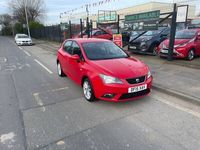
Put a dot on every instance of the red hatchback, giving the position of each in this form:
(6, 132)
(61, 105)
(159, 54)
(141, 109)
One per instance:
(103, 69)
(186, 45)
(101, 34)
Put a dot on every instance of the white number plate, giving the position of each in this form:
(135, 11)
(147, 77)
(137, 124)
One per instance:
(133, 47)
(137, 88)
(164, 51)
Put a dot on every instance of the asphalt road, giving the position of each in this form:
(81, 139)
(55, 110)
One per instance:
(39, 110)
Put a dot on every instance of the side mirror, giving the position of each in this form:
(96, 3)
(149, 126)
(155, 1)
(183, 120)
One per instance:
(75, 57)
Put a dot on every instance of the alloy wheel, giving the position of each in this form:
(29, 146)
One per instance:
(87, 90)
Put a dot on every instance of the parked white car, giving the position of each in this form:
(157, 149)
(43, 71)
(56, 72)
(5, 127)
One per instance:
(23, 39)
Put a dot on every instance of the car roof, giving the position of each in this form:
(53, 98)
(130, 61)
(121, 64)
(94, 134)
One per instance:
(87, 40)
(193, 29)
(20, 34)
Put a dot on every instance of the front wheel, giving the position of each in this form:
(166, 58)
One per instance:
(154, 50)
(88, 90)
(191, 55)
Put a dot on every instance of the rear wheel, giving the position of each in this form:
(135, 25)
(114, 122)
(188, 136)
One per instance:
(88, 90)
(59, 70)
(191, 55)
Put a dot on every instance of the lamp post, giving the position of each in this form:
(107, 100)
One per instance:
(25, 2)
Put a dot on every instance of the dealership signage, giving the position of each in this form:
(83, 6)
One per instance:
(117, 39)
(107, 16)
(143, 21)
(182, 12)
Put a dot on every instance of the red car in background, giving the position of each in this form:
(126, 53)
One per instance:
(101, 34)
(103, 70)
(186, 45)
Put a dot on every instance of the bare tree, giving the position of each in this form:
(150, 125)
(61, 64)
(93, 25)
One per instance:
(35, 9)
(5, 19)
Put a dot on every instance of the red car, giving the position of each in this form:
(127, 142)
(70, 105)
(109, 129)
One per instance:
(103, 70)
(186, 45)
(101, 34)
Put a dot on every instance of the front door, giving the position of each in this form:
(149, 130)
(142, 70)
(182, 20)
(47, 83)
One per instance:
(76, 65)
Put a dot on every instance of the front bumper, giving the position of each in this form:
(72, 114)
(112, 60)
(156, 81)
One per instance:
(138, 48)
(177, 53)
(120, 91)
(24, 43)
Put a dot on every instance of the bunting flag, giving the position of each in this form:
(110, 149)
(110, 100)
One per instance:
(86, 6)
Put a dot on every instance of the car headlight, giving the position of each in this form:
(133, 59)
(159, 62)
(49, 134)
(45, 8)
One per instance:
(164, 46)
(149, 74)
(108, 79)
(180, 45)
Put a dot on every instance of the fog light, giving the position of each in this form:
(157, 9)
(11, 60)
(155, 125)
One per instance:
(108, 95)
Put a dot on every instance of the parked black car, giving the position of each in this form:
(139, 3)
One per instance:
(135, 34)
(149, 41)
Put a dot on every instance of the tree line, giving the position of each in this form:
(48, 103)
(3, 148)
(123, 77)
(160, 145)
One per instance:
(16, 21)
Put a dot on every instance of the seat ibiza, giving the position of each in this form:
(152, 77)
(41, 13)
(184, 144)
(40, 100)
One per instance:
(103, 70)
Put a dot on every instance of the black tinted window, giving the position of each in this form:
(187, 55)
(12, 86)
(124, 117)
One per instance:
(67, 47)
(185, 34)
(103, 50)
(97, 33)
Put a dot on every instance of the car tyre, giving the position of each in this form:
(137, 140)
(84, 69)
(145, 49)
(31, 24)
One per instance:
(88, 90)
(59, 70)
(154, 49)
(191, 55)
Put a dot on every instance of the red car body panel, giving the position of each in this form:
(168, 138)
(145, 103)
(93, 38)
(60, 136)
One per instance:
(182, 51)
(123, 68)
(106, 35)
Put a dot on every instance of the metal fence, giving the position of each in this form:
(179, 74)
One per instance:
(52, 33)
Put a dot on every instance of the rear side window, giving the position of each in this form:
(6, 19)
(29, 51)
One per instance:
(67, 47)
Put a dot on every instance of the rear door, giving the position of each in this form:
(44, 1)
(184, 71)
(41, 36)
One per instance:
(65, 54)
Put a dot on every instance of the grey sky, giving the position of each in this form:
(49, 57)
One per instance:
(55, 7)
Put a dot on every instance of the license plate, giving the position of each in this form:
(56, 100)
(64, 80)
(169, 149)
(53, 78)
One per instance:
(164, 51)
(137, 88)
(132, 47)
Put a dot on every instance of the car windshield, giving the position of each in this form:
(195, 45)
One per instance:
(185, 34)
(196, 21)
(103, 50)
(134, 33)
(151, 33)
(23, 36)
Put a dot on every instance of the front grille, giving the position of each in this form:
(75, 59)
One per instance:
(135, 43)
(136, 94)
(136, 80)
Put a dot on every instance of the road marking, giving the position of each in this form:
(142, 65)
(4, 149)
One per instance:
(39, 101)
(49, 71)
(6, 138)
(187, 110)
(20, 47)
(60, 142)
(59, 89)
(27, 53)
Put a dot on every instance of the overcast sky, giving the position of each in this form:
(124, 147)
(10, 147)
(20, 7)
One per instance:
(55, 7)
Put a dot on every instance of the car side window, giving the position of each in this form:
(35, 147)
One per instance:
(98, 33)
(67, 47)
(103, 32)
(76, 50)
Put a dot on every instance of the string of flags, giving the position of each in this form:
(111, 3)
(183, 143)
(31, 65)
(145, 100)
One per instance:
(86, 6)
